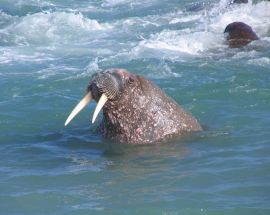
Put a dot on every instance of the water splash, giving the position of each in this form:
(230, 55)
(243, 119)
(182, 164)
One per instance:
(177, 42)
(205, 37)
(53, 27)
(174, 35)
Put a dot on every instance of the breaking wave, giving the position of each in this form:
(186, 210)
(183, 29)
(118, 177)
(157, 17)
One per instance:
(206, 35)
(52, 27)
(178, 34)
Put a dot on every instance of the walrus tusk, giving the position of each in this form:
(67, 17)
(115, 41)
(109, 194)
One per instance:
(86, 99)
(103, 99)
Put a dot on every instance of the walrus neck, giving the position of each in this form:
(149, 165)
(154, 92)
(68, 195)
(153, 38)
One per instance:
(120, 123)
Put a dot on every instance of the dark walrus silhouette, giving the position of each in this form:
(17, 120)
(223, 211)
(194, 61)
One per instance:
(134, 109)
(239, 34)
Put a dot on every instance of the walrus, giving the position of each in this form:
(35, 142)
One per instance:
(135, 110)
(239, 34)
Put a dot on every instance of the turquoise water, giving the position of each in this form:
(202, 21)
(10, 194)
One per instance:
(49, 49)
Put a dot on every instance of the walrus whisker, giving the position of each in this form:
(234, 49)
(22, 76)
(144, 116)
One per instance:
(86, 99)
(103, 99)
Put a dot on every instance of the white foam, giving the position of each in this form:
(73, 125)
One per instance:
(263, 61)
(205, 33)
(60, 27)
(255, 15)
(198, 34)
(39, 3)
(185, 42)
(4, 18)
(112, 3)
(186, 18)
(132, 3)
(154, 20)
(17, 55)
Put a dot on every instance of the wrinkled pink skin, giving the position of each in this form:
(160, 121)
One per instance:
(144, 113)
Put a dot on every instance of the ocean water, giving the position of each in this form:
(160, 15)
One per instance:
(48, 51)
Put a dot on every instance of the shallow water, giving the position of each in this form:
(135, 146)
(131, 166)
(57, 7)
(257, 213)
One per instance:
(49, 50)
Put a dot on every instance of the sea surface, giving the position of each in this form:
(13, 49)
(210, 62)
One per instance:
(48, 51)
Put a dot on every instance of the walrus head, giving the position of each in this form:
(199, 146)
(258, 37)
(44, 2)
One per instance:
(134, 109)
(104, 87)
(239, 34)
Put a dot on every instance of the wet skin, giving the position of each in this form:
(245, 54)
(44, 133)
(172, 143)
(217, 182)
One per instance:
(239, 34)
(136, 110)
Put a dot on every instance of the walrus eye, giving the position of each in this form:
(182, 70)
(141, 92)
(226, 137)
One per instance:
(131, 80)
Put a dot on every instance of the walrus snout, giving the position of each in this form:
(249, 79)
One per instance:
(103, 86)
(105, 83)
